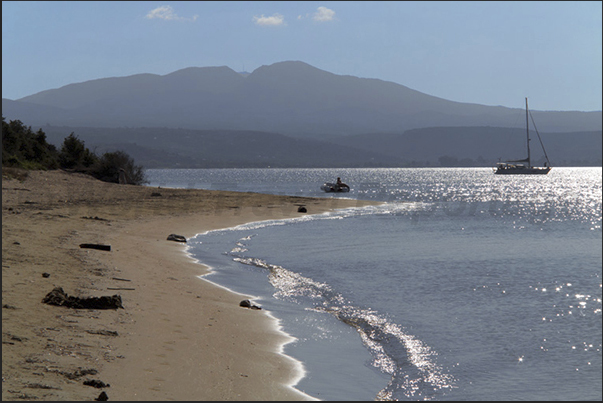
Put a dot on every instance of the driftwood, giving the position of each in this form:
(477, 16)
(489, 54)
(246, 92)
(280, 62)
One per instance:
(60, 298)
(122, 177)
(95, 246)
(95, 383)
(94, 218)
(103, 332)
(78, 373)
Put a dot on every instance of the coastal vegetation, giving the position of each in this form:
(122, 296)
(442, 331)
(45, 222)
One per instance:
(23, 148)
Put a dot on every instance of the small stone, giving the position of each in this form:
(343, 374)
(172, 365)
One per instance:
(102, 397)
(247, 304)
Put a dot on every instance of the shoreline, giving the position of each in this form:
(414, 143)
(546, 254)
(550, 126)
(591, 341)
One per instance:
(176, 339)
(298, 369)
(274, 325)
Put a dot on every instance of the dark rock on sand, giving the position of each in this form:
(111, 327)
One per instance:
(302, 209)
(247, 304)
(176, 238)
(60, 298)
(102, 397)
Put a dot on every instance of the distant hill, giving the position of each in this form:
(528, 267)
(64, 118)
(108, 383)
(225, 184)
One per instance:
(291, 114)
(475, 146)
(481, 146)
(183, 148)
(290, 98)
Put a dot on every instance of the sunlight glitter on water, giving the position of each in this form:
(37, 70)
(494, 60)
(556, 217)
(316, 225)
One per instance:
(518, 251)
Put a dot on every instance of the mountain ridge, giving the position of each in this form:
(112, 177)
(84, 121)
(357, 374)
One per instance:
(290, 97)
(291, 114)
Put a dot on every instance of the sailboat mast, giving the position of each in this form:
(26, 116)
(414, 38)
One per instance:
(528, 134)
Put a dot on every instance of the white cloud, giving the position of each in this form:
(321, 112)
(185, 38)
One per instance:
(167, 13)
(323, 14)
(275, 20)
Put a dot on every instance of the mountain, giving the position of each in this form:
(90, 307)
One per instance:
(291, 98)
(291, 114)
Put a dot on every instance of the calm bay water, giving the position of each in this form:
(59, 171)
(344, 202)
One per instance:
(464, 285)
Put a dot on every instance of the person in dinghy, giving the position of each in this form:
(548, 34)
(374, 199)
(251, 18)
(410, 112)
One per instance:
(341, 185)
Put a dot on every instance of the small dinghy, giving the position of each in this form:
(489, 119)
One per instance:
(334, 187)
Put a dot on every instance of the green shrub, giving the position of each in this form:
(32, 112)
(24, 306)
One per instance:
(110, 164)
(22, 148)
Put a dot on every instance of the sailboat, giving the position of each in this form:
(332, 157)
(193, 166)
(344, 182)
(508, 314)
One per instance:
(524, 167)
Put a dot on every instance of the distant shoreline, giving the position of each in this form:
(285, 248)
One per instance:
(165, 148)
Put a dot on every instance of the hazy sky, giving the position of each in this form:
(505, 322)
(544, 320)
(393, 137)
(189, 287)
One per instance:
(491, 53)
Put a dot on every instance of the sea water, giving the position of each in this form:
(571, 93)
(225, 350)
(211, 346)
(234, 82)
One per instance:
(463, 285)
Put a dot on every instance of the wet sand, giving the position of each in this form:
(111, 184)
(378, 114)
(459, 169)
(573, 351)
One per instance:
(177, 338)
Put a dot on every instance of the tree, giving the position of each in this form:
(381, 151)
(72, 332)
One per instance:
(110, 164)
(23, 148)
(74, 154)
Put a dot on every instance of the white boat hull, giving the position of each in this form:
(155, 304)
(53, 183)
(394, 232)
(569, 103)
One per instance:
(506, 169)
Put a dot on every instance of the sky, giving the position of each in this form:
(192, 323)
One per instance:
(482, 52)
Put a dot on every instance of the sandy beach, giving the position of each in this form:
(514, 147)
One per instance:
(177, 337)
